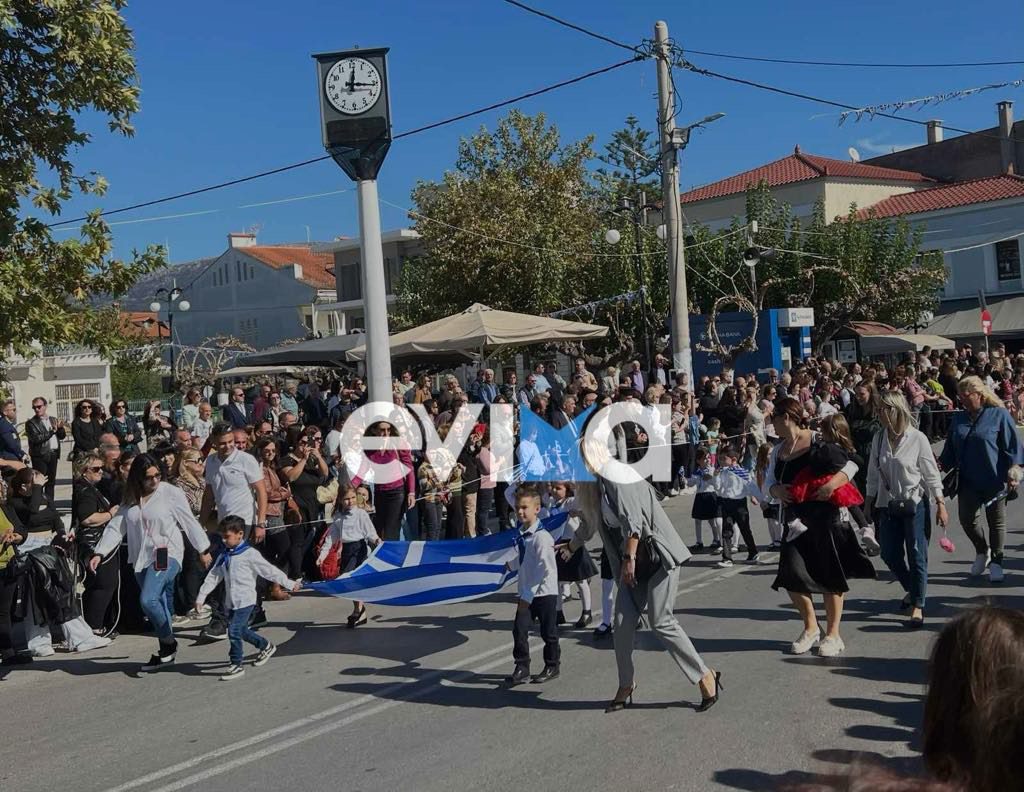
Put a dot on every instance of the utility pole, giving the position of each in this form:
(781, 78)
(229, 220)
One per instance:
(640, 220)
(682, 359)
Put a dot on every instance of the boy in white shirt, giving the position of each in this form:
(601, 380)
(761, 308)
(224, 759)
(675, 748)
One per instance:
(733, 485)
(240, 567)
(538, 590)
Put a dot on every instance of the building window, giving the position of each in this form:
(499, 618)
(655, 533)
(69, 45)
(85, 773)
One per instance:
(67, 396)
(348, 282)
(248, 331)
(1008, 260)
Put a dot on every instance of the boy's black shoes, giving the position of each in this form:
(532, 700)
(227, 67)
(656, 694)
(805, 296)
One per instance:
(520, 676)
(549, 672)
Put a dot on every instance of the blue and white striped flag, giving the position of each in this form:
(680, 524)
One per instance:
(433, 573)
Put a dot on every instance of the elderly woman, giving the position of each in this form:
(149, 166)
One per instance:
(983, 444)
(91, 512)
(902, 480)
(819, 553)
(626, 515)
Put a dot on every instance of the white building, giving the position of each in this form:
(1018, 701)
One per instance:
(61, 375)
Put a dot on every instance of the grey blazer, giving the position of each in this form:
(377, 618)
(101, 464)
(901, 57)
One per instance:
(637, 508)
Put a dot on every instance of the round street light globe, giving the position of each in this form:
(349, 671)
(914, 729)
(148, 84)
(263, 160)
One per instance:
(612, 236)
(154, 307)
(184, 305)
(662, 231)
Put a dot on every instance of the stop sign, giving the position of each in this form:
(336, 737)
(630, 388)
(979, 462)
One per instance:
(986, 321)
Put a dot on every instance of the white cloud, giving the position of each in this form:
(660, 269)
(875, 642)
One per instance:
(880, 146)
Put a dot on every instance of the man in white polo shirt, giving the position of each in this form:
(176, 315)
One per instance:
(235, 487)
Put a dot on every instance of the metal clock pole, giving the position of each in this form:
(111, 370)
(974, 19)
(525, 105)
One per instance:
(355, 116)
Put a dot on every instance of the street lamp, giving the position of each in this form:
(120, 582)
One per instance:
(170, 296)
(681, 135)
(638, 214)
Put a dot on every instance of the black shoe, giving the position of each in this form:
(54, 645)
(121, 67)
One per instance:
(585, 620)
(168, 650)
(17, 659)
(697, 548)
(916, 622)
(356, 619)
(549, 672)
(905, 603)
(753, 558)
(708, 703)
(561, 618)
(603, 631)
(520, 676)
(715, 547)
(258, 619)
(214, 631)
(160, 660)
(620, 704)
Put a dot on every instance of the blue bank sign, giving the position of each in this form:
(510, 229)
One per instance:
(783, 337)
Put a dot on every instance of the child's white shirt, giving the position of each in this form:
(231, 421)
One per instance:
(351, 526)
(704, 481)
(538, 572)
(731, 485)
(240, 574)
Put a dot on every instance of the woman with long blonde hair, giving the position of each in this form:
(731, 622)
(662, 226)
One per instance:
(984, 446)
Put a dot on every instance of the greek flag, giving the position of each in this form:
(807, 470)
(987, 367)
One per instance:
(434, 573)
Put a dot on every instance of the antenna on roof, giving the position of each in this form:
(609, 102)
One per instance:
(254, 229)
(854, 154)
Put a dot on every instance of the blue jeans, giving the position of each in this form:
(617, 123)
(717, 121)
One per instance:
(157, 597)
(238, 631)
(904, 544)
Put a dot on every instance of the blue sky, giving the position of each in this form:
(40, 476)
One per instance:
(228, 89)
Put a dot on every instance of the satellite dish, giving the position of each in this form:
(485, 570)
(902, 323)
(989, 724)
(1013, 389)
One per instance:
(854, 154)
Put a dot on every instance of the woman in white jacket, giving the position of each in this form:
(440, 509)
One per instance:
(154, 516)
(903, 478)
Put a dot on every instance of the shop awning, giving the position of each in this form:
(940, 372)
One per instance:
(895, 343)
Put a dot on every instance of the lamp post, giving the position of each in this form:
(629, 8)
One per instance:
(637, 212)
(169, 296)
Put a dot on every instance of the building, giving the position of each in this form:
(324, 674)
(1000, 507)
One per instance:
(61, 375)
(261, 294)
(399, 244)
(800, 180)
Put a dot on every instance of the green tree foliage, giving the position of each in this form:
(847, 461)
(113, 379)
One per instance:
(519, 224)
(61, 61)
(135, 373)
(853, 268)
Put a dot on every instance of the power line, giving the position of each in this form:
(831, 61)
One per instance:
(571, 26)
(684, 64)
(851, 64)
(293, 166)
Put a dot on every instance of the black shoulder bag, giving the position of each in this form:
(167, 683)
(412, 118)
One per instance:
(648, 556)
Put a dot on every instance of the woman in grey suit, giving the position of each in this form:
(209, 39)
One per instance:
(625, 514)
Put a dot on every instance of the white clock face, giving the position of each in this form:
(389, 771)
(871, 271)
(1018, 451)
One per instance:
(353, 86)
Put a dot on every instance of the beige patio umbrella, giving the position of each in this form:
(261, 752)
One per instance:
(480, 330)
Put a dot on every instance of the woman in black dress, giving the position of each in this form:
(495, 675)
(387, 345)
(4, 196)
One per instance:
(819, 554)
(85, 429)
(91, 512)
(304, 469)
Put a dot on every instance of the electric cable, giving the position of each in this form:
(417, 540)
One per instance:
(572, 26)
(304, 163)
(853, 64)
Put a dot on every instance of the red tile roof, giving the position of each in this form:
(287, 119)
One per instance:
(317, 268)
(990, 188)
(144, 324)
(798, 167)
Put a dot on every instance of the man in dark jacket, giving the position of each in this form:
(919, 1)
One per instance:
(10, 443)
(236, 412)
(44, 436)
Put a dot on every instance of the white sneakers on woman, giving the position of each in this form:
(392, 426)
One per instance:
(807, 639)
(831, 647)
(980, 563)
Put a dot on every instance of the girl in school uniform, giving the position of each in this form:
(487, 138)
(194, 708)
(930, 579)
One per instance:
(353, 529)
(580, 567)
(769, 506)
(705, 505)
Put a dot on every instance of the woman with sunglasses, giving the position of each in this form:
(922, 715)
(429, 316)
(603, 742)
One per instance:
(156, 520)
(123, 424)
(85, 429)
(278, 547)
(391, 499)
(90, 513)
(303, 469)
(158, 427)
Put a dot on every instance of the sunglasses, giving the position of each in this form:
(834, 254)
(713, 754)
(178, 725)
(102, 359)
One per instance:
(86, 407)
(95, 469)
(38, 406)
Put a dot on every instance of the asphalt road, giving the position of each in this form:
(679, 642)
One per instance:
(414, 700)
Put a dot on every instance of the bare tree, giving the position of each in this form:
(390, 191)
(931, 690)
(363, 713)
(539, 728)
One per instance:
(199, 366)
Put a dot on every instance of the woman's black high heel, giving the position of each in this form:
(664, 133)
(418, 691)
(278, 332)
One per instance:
(355, 619)
(708, 703)
(620, 704)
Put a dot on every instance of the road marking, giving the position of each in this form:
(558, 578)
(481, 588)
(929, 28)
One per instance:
(435, 678)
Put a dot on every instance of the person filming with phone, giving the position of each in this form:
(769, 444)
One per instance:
(156, 518)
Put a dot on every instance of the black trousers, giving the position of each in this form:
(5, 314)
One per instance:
(484, 502)
(545, 610)
(189, 580)
(734, 513)
(48, 467)
(100, 588)
(502, 506)
(388, 508)
(455, 520)
(7, 591)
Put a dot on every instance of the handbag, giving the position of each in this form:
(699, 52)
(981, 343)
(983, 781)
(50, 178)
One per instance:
(648, 559)
(896, 507)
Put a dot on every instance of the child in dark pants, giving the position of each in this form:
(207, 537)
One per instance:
(734, 484)
(538, 591)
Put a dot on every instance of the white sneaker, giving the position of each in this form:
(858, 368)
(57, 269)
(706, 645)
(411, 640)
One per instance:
(673, 492)
(177, 621)
(831, 647)
(869, 540)
(265, 654)
(995, 573)
(93, 642)
(796, 528)
(980, 563)
(806, 641)
(233, 672)
(725, 563)
(44, 651)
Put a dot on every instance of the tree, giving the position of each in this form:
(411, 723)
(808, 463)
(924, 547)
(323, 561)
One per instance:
(197, 367)
(61, 61)
(857, 267)
(135, 372)
(518, 224)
